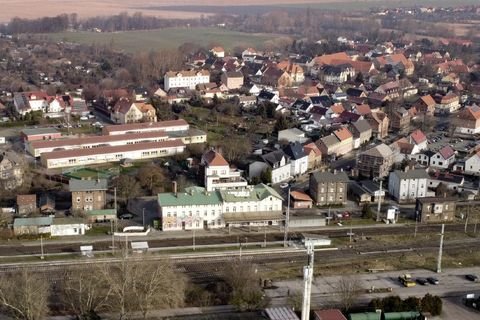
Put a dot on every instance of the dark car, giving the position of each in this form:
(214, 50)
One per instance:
(472, 277)
(126, 216)
(432, 280)
(422, 281)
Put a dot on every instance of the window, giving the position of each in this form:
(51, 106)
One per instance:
(78, 199)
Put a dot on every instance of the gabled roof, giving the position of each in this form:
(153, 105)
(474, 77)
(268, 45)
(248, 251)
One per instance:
(418, 136)
(37, 221)
(274, 157)
(300, 196)
(381, 151)
(213, 158)
(330, 314)
(446, 152)
(343, 134)
(362, 125)
(87, 185)
(329, 140)
(265, 94)
(363, 109)
(191, 196)
(411, 174)
(312, 147)
(337, 108)
(294, 151)
(328, 58)
(326, 176)
(428, 100)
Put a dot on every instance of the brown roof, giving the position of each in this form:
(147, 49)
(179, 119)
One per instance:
(218, 49)
(337, 108)
(140, 126)
(125, 148)
(447, 152)
(363, 109)
(123, 105)
(428, 100)
(144, 107)
(95, 139)
(343, 134)
(300, 196)
(289, 67)
(418, 136)
(312, 147)
(214, 158)
(330, 314)
(328, 58)
(26, 199)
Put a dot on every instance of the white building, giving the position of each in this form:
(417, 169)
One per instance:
(472, 164)
(185, 79)
(68, 227)
(85, 157)
(443, 158)
(407, 186)
(298, 159)
(279, 163)
(218, 174)
(196, 208)
(166, 126)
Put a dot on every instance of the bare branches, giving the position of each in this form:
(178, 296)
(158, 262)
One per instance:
(25, 295)
(348, 290)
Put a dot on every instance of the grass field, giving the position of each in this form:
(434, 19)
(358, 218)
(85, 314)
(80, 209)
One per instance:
(133, 41)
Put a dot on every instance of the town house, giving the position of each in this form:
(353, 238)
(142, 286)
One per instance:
(88, 195)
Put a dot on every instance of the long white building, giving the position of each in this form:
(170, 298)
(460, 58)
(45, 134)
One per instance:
(197, 208)
(166, 126)
(91, 156)
(185, 79)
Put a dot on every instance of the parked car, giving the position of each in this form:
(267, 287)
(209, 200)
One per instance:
(422, 281)
(126, 216)
(472, 277)
(433, 280)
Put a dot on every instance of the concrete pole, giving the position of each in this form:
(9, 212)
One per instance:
(41, 248)
(379, 201)
(307, 282)
(193, 240)
(287, 218)
(439, 261)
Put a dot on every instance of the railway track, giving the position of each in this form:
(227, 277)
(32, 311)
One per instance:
(13, 249)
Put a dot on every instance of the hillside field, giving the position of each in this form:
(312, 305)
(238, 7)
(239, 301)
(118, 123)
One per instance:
(169, 38)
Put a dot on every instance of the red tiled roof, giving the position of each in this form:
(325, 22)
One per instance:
(363, 109)
(125, 148)
(337, 108)
(418, 136)
(312, 147)
(26, 199)
(297, 195)
(328, 58)
(446, 152)
(214, 158)
(428, 100)
(139, 126)
(330, 314)
(95, 139)
(343, 134)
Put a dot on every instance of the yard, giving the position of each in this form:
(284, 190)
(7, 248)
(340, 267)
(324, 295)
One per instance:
(169, 38)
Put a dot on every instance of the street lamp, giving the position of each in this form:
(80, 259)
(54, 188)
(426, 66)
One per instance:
(287, 218)
(379, 206)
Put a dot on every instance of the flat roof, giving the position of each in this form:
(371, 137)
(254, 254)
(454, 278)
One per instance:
(253, 216)
(112, 149)
(95, 139)
(39, 131)
(143, 126)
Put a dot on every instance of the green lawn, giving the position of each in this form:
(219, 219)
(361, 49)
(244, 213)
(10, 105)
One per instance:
(134, 41)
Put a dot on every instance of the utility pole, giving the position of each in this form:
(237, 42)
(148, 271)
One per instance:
(265, 234)
(113, 237)
(193, 240)
(143, 217)
(379, 201)
(307, 281)
(416, 225)
(439, 262)
(287, 218)
(41, 248)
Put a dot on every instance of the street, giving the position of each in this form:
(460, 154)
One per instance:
(452, 287)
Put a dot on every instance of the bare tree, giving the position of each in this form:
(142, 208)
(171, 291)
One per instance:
(142, 286)
(25, 295)
(150, 177)
(244, 283)
(348, 291)
(84, 292)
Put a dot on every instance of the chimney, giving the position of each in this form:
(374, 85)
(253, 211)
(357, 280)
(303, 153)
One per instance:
(174, 187)
(334, 171)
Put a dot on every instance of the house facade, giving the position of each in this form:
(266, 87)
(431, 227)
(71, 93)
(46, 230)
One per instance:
(198, 209)
(26, 204)
(407, 186)
(472, 164)
(232, 79)
(218, 174)
(279, 163)
(88, 195)
(443, 158)
(185, 79)
(434, 209)
(376, 162)
(11, 171)
(467, 121)
(327, 188)
(314, 155)
(447, 104)
(379, 122)
(298, 158)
